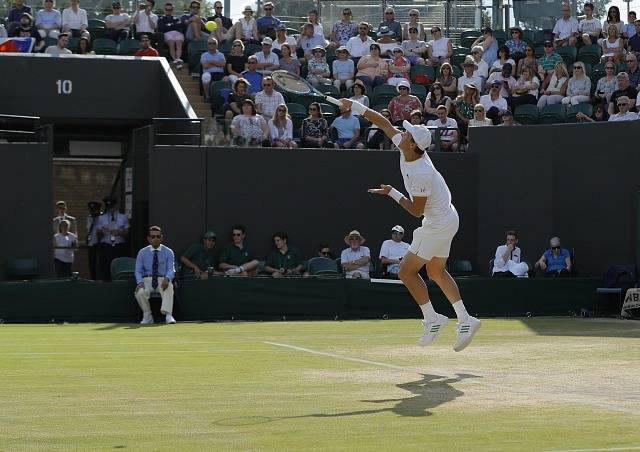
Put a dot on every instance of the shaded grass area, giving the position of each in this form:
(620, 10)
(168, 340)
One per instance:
(534, 384)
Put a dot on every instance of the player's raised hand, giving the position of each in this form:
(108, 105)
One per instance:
(383, 190)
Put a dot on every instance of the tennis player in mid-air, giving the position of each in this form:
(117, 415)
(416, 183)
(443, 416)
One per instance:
(430, 198)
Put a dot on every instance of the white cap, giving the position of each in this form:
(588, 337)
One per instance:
(267, 40)
(398, 228)
(420, 134)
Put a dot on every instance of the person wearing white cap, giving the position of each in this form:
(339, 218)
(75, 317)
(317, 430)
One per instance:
(393, 250)
(404, 103)
(428, 198)
(267, 60)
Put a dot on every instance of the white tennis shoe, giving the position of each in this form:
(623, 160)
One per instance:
(465, 332)
(432, 330)
(169, 319)
(147, 319)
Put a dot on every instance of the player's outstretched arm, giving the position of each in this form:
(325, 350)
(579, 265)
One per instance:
(415, 207)
(373, 116)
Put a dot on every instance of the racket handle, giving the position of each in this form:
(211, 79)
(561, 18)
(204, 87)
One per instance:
(334, 101)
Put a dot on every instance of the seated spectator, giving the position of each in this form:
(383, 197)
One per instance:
(399, 67)
(508, 259)
(360, 45)
(448, 129)
(387, 42)
(629, 28)
(526, 89)
(392, 24)
(359, 95)
(565, 32)
(348, 128)
(267, 60)
(146, 49)
(505, 78)
(252, 76)
(554, 88)
(556, 261)
(376, 138)
(447, 80)
(468, 77)
(236, 258)
(479, 119)
(435, 98)
(61, 46)
(578, 87)
(504, 56)
(26, 29)
(193, 23)
(516, 45)
(282, 39)
(494, 104)
(268, 99)
(355, 259)
(146, 22)
(623, 114)
(589, 28)
(236, 61)
(624, 89)
(249, 128)
(15, 13)
(74, 21)
(548, 61)
(246, 28)
(372, 68)
(606, 85)
(199, 259)
(64, 243)
(343, 69)
(117, 23)
(238, 95)
(599, 115)
(489, 46)
(414, 23)
(403, 104)
(315, 130)
(48, 20)
(613, 18)
(312, 18)
(284, 260)
(268, 23)
(415, 49)
(613, 46)
(171, 29)
(507, 120)
(529, 60)
(633, 70)
(393, 250)
(224, 21)
(343, 30)
(308, 42)
(213, 63)
(318, 68)
(482, 68)
(440, 48)
(464, 105)
(633, 44)
(287, 61)
(84, 47)
(155, 272)
(281, 129)
(416, 118)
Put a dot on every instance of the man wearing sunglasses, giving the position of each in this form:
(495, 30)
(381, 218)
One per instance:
(556, 261)
(359, 45)
(155, 271)
(623, 114)
(236, 258)
(392, 24)
(227, 23)
(171, 29)
(193, 23)
(268, 23)
(117, 23)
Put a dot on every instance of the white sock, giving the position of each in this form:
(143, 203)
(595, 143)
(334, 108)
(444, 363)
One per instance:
(461, 312)
(428, 312)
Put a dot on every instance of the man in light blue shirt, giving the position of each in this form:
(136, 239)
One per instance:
(155, 270)
(348, 128)
(48, 20)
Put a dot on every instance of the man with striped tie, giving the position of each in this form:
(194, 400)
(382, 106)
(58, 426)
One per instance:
(155, 271)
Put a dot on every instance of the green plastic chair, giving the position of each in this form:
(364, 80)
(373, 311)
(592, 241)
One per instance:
(322, 266)
(22, 268)
(460, 267)
(467, 37)
(584, 107)
(103, 46)
(590, 54)
(420, 91)
(128, 47)
(553, 114)
(526, 114)
(123, 268)
(568, 54)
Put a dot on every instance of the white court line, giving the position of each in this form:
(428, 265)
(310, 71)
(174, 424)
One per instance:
(606, 449)
(145, 353)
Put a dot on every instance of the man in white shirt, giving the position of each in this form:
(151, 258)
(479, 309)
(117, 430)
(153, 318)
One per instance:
(494, 104)
(117, 23)
(74, 20)
(482, 68)
(358, 46)
(393, 250)
(589, 28)
(449, 134)
(355, 259)
(469, 77)
(146, 22)
(61, 47)
(267, 60)
(624, 114)
(565, 31)
(507, 261)
(268, 99)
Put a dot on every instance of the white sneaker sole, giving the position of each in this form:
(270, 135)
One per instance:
(435, 328)
(473, 329)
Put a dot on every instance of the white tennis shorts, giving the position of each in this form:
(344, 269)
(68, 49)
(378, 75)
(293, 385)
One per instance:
(429, 242)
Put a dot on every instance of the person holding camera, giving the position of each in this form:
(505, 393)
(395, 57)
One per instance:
(146, 22)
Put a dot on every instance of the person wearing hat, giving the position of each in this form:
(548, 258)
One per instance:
(404, 103)
(199, 259)
(113, 229)
(556, 261)
(469, 77)
(516, 45)
(61, 214)
(428, 198)
(117, 24)
(26, 29)
(267, 60)
(392, 24)
(281, 39)
(155, 272)
(355, 259)
(247, 27)
(343, 30)
(95, 210)
(489, 45)
(318, 68)
(283, 260)
(414, 48)
(268, 23)
(448, 129)
(623, 103)
(482, 69)
(343, 69)
(494, 104)
(547, 62)
(307, 42)
(392, 251)
(399, 67)
(387, 41)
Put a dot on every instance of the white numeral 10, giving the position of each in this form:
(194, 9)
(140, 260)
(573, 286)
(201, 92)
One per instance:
(64, 86)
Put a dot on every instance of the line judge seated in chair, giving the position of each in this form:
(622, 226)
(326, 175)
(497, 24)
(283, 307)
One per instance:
(155, 271)
(508, 260)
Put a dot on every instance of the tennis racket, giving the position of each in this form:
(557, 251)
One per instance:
(294, 84)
